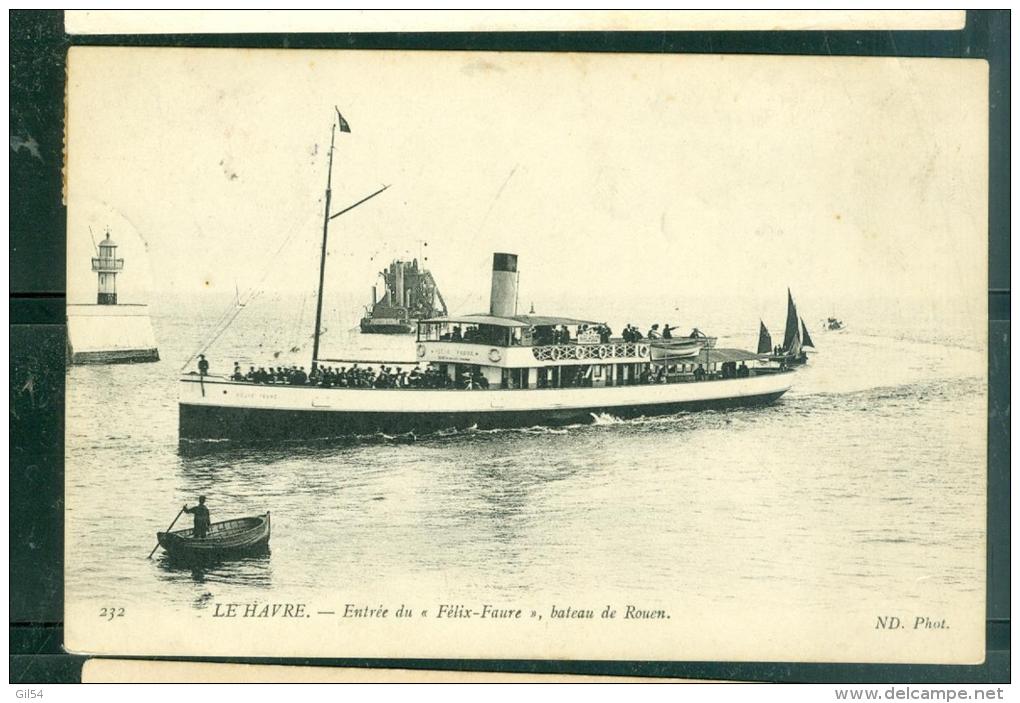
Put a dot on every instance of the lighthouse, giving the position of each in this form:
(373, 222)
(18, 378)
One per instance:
(107, 266)
(109, 332)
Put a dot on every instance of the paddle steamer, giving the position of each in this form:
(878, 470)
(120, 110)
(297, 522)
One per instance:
(499, 369)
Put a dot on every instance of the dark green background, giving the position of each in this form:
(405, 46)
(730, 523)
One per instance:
(38, 51)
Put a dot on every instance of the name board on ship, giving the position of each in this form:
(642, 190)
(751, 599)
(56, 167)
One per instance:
(457, 353)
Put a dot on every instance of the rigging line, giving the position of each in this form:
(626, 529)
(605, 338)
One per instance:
(485, 219)
(215, 330)
(237, 311)
(498, 193)
(253, 292)
(212, 330)
(225, 328)
(221, 329)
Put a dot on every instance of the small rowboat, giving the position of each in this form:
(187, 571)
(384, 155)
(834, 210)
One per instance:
(671, 350)
(230, 538)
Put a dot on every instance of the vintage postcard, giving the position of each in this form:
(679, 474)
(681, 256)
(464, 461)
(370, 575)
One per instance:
(499, 355)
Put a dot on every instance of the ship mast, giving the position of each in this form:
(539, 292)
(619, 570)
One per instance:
(326, 217)
(322, 258)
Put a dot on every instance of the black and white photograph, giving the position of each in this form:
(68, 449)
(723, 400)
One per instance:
(526, 355)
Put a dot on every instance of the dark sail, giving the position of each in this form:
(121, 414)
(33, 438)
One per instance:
(791, 339)
(805, 338)
(764, 340)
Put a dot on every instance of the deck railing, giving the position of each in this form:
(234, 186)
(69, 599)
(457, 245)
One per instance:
(594, 352)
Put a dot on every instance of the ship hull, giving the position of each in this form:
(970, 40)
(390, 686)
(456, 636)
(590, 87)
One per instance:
(287, 412)
(370, 327)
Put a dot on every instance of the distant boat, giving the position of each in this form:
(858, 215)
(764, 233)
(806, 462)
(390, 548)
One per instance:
(832, 324)
(805, 338)
(227, 539)
(795, 337)
(764, 339)
(411, 295)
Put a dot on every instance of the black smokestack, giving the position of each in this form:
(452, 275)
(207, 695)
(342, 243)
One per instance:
(503, 299)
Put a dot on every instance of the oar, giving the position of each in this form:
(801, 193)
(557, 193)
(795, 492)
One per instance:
(167, 529)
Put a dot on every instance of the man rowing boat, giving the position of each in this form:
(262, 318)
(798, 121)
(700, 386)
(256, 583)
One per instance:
(201, 514)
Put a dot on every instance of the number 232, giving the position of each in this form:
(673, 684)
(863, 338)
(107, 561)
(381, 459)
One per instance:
(111, 613)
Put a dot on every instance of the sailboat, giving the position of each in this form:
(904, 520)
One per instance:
(795, 337)
(764, 339)
(805, 338)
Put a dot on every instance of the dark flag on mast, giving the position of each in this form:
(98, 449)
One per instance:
(344, 127)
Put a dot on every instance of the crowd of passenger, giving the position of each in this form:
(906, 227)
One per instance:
(633, 334)
(354, 376)
(432, 377)
(556, 334)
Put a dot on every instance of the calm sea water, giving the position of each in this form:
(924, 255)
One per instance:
(865, 475)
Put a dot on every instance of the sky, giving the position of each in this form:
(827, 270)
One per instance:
(611, 176)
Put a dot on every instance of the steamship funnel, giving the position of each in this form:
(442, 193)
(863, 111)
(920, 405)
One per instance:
(503, 300)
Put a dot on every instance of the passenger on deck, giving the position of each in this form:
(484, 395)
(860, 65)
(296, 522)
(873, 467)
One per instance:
(653, 333)
(743, 371)
(605, 333)
(457, 337)
(238, 375)
(667, 331)
(646, 376)
(203, 365)
(478, 380)
(699, 373)
(250, 376)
